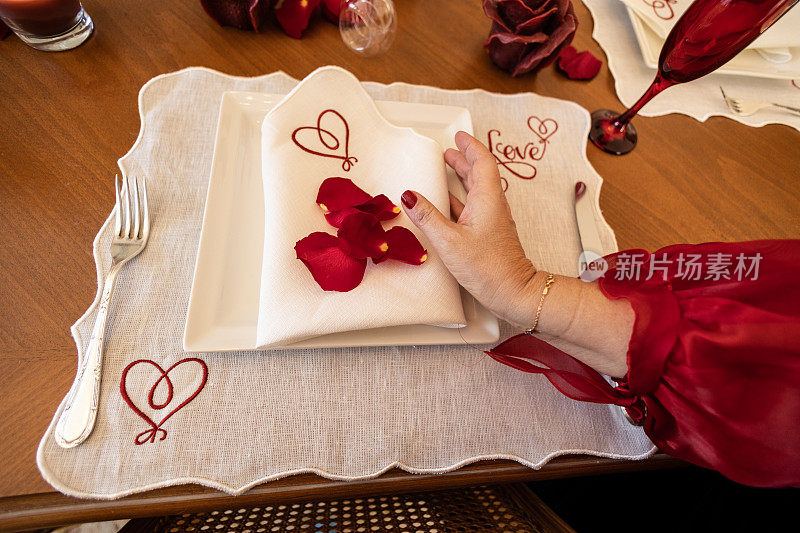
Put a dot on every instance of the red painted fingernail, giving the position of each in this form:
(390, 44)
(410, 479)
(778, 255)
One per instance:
(409, 199)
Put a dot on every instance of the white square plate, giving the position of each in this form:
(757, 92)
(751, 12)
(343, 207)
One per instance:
(746, 63)
(223, 306)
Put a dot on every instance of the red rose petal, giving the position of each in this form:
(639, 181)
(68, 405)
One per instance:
(336, 218)
(381, 207)
(578, 66)
(362, 236)
(491, 11)
(242, 14)
(338, 193)
(568, 53)
(404, 246)
(330, 266)
(294, 15)
(331, 10)
(538, 23)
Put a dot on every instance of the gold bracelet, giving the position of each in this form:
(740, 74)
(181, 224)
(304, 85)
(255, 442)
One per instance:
(547, 284)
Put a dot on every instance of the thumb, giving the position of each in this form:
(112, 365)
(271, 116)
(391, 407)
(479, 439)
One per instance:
(436, 227)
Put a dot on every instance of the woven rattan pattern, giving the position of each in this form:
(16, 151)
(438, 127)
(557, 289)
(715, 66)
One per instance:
(478, 509)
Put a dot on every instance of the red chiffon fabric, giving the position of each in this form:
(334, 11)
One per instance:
(713, 364)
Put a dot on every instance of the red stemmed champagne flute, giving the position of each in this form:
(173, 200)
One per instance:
(708, 35)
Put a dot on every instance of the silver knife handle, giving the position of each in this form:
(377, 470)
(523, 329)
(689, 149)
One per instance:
(77, 419)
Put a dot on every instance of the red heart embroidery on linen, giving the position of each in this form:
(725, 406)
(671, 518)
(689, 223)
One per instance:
(149, 435)
(544, 128)
(326, 142)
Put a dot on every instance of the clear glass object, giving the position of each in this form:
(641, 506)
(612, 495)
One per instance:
(51, 25)
(368, 26)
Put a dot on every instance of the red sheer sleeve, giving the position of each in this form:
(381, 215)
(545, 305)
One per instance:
(714, 358)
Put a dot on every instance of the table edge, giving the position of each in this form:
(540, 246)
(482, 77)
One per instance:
(54, 509)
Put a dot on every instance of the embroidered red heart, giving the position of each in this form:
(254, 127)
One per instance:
(151, 434)
(543, 128)
(331, 140)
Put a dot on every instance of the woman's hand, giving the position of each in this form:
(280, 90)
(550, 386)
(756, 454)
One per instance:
(482, 250)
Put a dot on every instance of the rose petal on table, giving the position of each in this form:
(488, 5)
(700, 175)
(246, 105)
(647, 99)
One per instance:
(242, 14)
(578, 66)
(362, 236)
(404, 246)
(381, 207)
(294, 15)
(330, 266)
(4, 30)
(339, 193)
(331, 9)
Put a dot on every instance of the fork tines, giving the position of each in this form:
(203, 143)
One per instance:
(130, 204)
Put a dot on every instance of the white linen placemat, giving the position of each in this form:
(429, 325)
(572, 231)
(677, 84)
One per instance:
(380, 158)
(700, 98)
(342, 413)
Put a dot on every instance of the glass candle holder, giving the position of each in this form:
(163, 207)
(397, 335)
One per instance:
(51, 25)
(368, 26)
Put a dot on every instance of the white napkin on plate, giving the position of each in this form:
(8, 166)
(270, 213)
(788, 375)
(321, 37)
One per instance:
(381, 159)
(661, 17)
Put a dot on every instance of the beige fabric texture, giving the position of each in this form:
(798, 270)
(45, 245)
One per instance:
(293, 307)
(341, 413)
(700, 98)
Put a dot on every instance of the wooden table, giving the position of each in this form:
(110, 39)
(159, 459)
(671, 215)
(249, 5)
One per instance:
(65, 118)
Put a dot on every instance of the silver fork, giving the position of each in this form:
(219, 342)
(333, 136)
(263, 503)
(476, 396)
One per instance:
(745, 108)
(131, 229)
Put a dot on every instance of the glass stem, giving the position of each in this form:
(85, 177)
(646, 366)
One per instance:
(658, 85)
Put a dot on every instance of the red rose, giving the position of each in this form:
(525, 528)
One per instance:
(528, 34)
(292, 15)
(242, 14)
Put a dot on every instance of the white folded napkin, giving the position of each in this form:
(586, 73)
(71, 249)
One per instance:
(381, 159)
(661, 17)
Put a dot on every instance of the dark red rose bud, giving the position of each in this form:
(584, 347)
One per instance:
(242, 14)
(527, 35)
